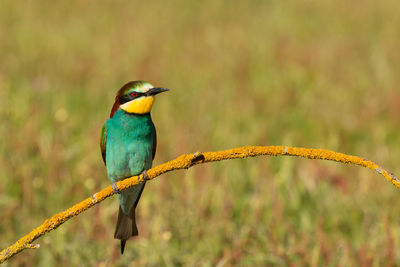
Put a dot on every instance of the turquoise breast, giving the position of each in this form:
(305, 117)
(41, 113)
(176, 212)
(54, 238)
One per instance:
(130, 141)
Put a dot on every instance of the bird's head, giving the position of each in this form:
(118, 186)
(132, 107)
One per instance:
(136, 97)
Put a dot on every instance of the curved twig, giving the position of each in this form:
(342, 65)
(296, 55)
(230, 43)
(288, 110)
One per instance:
(184, 162)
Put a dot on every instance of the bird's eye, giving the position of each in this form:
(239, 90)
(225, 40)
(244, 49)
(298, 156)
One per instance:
(134, 94)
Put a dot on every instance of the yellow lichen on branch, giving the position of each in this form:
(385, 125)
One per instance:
(185, 162)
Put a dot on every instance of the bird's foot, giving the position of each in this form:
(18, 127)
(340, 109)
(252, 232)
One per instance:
(145, 176)
(115, 188)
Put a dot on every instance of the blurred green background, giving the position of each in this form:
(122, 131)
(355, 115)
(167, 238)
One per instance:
(321, 74)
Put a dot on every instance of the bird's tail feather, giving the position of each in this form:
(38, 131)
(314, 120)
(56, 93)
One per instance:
(126, 226)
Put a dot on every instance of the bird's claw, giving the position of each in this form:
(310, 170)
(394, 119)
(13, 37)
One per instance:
(145, 176)
(115, 187)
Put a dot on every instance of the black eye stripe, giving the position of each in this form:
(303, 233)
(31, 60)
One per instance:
(126, 98)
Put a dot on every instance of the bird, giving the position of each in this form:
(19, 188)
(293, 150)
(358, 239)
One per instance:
(128, 143)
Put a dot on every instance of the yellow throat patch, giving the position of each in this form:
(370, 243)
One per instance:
(141, 105)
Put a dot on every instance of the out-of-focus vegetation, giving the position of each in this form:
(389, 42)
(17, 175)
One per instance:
(306, 73)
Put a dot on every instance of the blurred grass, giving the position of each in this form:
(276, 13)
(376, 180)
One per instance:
(305, 73)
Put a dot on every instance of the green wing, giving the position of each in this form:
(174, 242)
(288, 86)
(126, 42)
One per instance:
(103, 142)
(154, 144)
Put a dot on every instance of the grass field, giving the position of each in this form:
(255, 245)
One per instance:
(322, 74)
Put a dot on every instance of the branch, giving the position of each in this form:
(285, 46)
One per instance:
(185, 162)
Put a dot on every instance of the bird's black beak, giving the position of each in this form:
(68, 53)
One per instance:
(156, 90)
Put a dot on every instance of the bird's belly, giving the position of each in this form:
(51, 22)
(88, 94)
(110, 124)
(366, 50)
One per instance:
(125, 160)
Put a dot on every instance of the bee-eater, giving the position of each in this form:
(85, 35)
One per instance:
(128, 145)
